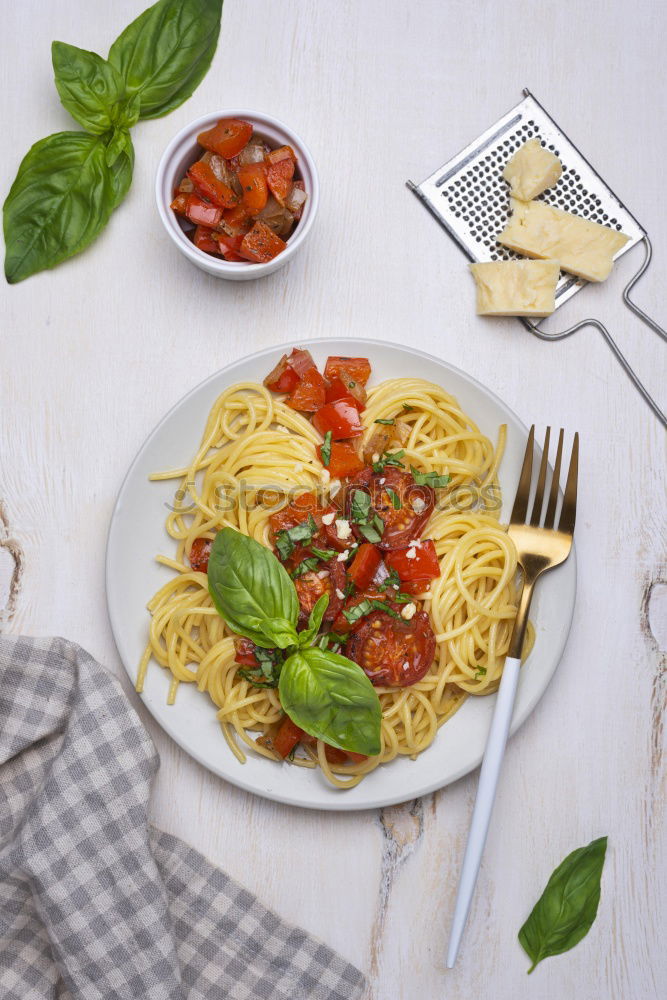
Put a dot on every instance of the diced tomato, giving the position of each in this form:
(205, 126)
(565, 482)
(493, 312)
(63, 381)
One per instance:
(301, 361)
(358, 368)
(229, 246)
(282, 378)
(344, 385)
(227, 137)
(423, 565)
(203, 240)
(180, 204)
(364, 565)
(287, 737)
(336, 756)
(392, 651)
(210, 187)
(343, 461)
(289, 371)
(309, 393)
(245, 653)
(252, 178)
(415, 587)
(200, 550)
(279, 178)
(341, 418)
(261, 244)
(237, 220)
(201, 212)
(280, 154)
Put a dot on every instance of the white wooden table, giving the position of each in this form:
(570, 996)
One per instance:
(94, 352)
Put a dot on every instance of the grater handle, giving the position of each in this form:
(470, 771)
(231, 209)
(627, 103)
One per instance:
(621, 358)
(631, 284)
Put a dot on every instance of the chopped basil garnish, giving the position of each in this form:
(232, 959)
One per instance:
(287, 539)
(361, 507)
(429, 478)
(349, 589)
(307, 566)
(365, 607)
(325, 450)
(407, 407)
(394, 497)
(481, 672)
(389, 458)
(387, 423)
(373, 531)
(324, 554)
(267, 674)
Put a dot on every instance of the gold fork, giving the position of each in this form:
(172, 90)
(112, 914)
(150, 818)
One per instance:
(540, 546)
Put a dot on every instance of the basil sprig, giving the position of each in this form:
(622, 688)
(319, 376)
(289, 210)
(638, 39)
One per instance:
(565, 911)
(68, 184)
(327, 695)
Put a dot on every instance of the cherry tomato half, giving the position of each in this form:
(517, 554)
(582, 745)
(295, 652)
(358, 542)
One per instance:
(200, 550)
(392, 652)
(329, 579)
(403, 506)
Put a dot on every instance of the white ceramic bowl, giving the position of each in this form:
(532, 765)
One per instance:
(183, 150)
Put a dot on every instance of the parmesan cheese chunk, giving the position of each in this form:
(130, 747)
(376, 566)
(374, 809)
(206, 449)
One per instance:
(343, 529)
(328, 518)
(516, 287)
(584, 248)
(409, 611)
(531, 170)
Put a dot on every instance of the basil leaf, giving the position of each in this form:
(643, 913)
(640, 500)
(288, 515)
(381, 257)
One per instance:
(324, 554)
(565, 911)
(360, 507)
(307, 566)
(279, 631)
(407, 407)
(314, 621)
(370, 533)
(249, 587)
(287, 538)
(429, 478)
(389, 458)
(165, 53)
(89, 87)
(61, 199)
(394, 497)
(387, 423)
(332, 699)
(325, 450)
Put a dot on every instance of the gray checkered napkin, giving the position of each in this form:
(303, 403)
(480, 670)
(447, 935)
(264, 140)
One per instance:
(93, 903)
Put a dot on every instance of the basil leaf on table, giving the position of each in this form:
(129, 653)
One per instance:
(314, 621)
(250, 588)
(165, 53)
(61, 199)
(332, 699)
(90, 88)
(565, 911)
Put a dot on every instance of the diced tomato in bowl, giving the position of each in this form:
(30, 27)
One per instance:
(247, 177)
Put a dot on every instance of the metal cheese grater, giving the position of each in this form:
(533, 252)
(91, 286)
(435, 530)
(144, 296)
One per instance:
(470, 198)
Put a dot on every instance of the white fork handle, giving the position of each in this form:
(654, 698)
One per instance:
(486, 793)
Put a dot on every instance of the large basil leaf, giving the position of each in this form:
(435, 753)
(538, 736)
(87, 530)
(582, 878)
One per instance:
(91, 89)
(565, 911)
(249, 587)
(279, 632)
(165, 53)
(332, 699)
(61, 199)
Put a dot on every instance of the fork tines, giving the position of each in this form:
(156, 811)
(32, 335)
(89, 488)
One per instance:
(569, 506)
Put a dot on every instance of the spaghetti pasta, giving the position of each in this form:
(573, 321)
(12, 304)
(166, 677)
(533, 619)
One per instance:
(257, 454)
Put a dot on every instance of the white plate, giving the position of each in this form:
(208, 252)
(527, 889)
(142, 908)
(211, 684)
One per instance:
(137, 534)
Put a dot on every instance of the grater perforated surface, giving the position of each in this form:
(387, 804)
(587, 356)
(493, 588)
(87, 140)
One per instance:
(469, 196)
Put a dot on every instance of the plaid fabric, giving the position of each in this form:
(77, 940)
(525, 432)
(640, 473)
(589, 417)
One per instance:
(93, 903)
